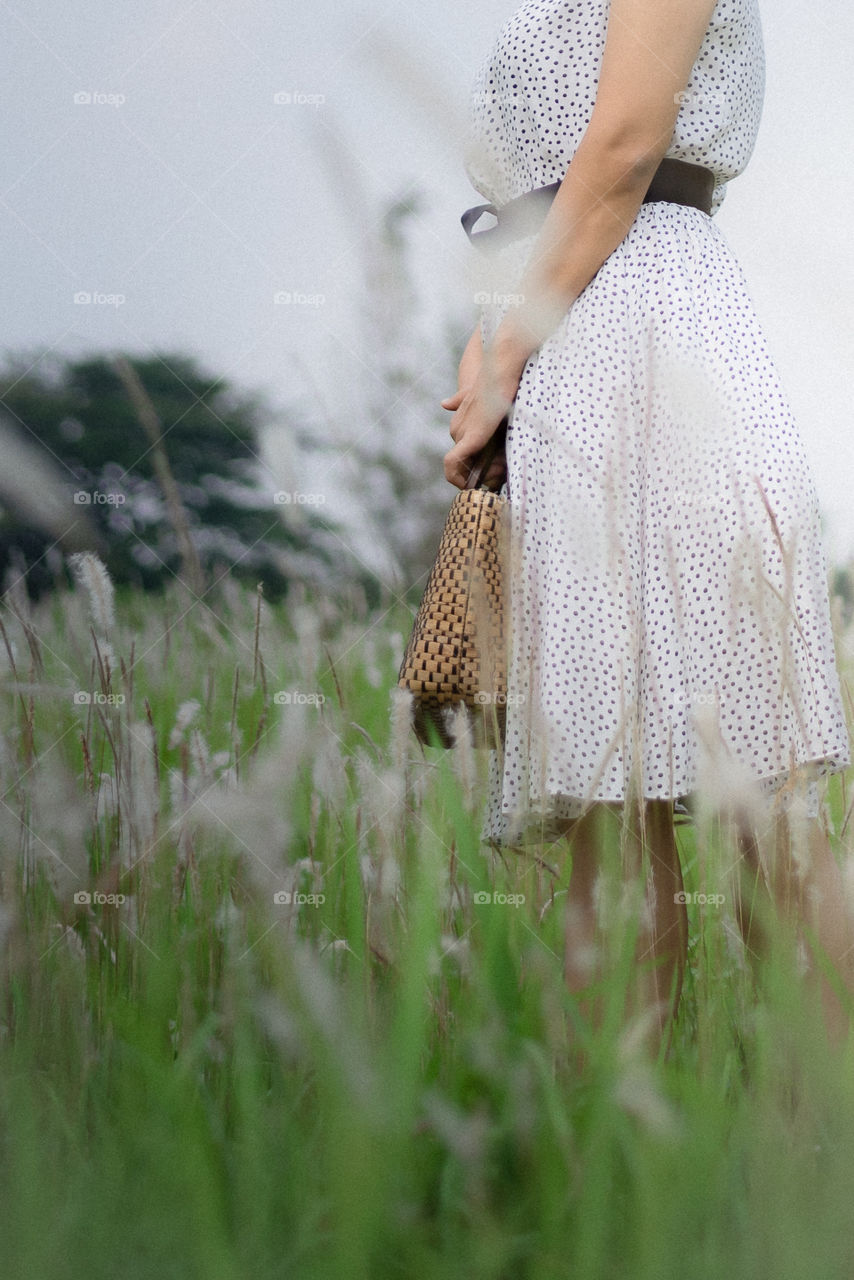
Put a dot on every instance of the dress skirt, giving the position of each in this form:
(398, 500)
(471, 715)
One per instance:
(669, 613)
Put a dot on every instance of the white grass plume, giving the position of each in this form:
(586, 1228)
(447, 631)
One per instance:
(91, 573)
(56, 827)
(142, 795)
(183, 719)
(400, 715)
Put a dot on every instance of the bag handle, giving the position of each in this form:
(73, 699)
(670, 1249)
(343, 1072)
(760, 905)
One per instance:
(482, 461)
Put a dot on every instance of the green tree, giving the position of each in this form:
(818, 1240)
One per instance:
(80, 415)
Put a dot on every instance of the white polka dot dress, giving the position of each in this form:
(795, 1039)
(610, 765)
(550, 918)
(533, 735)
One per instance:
(669, 607)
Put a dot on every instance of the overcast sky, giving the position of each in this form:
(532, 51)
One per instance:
(149, 165)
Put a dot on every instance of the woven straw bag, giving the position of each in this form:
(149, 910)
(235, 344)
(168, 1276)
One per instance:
(457, 649)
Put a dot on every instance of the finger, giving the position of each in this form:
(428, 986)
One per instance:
(458, 465)
(454, 401)
(457, 427)
(456, 469)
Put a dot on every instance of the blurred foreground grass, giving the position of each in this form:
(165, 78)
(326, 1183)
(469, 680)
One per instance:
(256, 1023)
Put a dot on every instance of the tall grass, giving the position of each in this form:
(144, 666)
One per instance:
(284, 1038)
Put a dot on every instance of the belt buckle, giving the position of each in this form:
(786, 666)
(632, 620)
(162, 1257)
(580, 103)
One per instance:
(473, 215)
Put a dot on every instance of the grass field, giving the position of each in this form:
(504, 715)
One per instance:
(255, 1022)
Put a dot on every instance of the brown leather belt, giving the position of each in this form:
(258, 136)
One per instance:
(676, 181)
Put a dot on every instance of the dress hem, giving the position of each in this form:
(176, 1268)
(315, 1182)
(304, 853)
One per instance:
(807, 773)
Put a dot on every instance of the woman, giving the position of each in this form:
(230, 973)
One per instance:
(669, 607)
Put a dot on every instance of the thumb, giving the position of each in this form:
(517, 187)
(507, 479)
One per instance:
(454, 401)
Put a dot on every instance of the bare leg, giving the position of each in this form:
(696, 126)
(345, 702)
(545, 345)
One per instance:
(810, 893)
(582, 956)
(666, 942)
(662, 941)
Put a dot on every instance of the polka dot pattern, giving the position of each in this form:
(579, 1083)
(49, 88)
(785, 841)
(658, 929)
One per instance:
(669, 607)
(533, 97)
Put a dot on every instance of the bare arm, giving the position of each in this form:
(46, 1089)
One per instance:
(650, 48)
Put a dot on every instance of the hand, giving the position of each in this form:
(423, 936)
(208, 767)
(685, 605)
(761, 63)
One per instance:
(478, 413)
(496, 472)
(482, 399)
